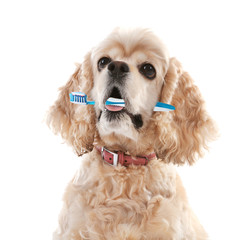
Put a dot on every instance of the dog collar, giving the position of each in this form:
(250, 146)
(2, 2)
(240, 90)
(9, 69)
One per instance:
(115, 158)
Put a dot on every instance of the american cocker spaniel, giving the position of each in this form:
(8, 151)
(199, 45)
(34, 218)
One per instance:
(127, 186)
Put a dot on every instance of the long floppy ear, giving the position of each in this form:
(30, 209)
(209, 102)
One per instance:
(185, 132)
(75, 123)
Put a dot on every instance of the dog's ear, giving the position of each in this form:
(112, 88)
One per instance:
(183, 134)
(75, 123)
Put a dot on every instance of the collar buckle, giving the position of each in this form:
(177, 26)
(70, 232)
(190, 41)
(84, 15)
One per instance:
(114, 158)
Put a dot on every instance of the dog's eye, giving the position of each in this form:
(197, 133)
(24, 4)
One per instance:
(148, 71)
(103, 62)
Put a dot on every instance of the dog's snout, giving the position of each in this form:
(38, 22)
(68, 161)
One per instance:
(118, 68)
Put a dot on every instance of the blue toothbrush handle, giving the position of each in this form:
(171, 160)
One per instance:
(114, 103)
(90, 102)
(164, 105)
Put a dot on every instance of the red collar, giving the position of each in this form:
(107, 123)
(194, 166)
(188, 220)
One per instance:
(125, 160)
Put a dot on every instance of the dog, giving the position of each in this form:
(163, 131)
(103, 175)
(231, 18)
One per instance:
(127, 186)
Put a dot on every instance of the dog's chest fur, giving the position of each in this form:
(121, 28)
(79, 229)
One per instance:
(121, 203)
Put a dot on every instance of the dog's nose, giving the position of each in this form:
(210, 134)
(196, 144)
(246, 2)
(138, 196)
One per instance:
(118, 68)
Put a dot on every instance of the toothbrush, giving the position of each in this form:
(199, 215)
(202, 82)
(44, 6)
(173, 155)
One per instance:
(81, 98)
(163, 107)
(115, 102)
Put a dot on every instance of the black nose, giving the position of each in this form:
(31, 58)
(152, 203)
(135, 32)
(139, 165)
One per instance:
(118, 69)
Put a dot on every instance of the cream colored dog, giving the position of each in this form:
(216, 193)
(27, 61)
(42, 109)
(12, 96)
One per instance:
(141, 196)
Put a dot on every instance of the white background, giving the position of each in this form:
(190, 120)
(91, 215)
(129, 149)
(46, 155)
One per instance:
(41, 41)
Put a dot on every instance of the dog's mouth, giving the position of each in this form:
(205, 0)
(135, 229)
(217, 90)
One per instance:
(116, 113)
(115, 97)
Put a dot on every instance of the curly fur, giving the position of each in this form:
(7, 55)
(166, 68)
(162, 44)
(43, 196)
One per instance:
(137, 202)
(184, 135)
(76, 125)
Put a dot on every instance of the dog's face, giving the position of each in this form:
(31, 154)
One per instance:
(134, 66)
(131, 69)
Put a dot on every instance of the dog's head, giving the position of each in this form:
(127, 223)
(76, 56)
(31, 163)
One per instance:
(133, 65)
(130, 66)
